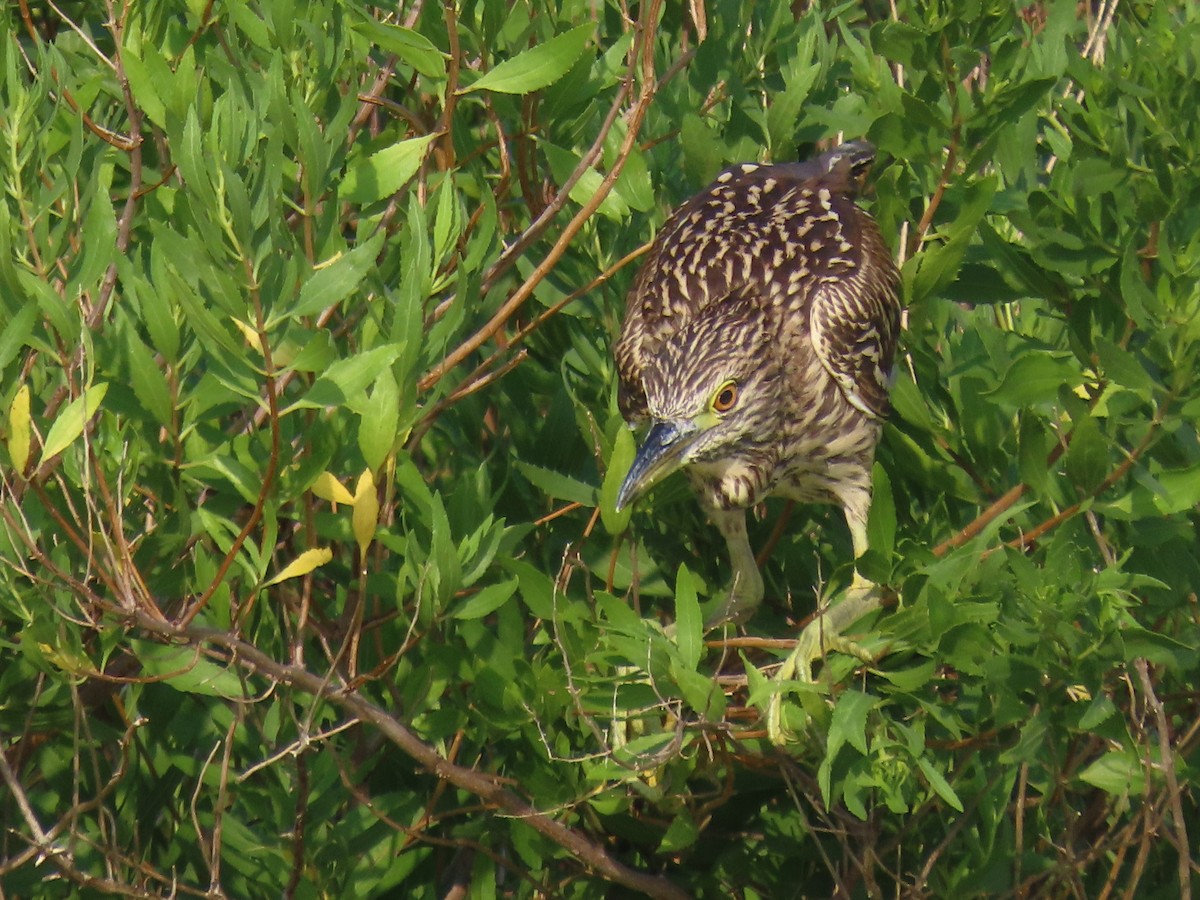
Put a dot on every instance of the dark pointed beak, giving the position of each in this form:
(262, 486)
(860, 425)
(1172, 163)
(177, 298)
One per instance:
(661, 454)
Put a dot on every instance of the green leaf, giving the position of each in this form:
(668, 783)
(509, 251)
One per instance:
(936, 267)
(563, 163)
(1035, 377)
(379, 420)
(347, 379)
(940, 785)
(537, 589)
(71, 421)
(187, 670)
(1087, 457)
(336, 279)
(19, 429)
(536, 67)
(881, 521)
(147, 380)
(849, 721)
(689, 626)
(487, 601)
(16, 332)
(681, 834)
(1118, 772)
(555, 484)
(1123, 367)
(384, 172)
(411, 46)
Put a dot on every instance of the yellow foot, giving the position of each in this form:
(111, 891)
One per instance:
(822, 634)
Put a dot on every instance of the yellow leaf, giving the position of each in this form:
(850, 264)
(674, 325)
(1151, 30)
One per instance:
(249, 334)
(329, 488)
(18, 429)
(366, 511)
(303, 564)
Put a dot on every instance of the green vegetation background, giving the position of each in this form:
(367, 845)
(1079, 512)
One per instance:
(310, 581)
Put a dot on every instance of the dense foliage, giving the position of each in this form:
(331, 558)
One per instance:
(310, 580)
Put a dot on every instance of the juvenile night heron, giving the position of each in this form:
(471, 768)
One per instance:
(758, 343)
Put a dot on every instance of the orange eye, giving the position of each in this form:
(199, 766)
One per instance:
(725, 398)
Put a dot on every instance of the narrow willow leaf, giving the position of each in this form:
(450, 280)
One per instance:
(334, 280)
(384, 172)
(303, 564)
(380, 420)
(487, 600)
(536, 67)
(624, 449)
(555, 484)
(689, 626)
(366, 512)
(19, 429)
(346, 379)
(411, 46)
(940, 785)
(249, 333)
(329, 488)
(147, 380)
(16, 332)
(71, 421)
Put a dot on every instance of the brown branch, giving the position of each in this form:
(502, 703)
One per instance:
(514, 303)
(1167, 764)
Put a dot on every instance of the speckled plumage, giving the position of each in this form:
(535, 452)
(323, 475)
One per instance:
(774, 279)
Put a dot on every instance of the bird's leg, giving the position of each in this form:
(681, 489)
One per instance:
(746, 589)
(824, 632)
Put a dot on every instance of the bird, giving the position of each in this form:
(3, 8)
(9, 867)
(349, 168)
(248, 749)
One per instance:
(757, 342)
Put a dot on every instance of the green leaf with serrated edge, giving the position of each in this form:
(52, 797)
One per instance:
(940, 785)
(346, 379)
(71, 421)
(536, 67)
(384, 172)
(555, 484)
(147, 380)
(850, 718)
(335, 280)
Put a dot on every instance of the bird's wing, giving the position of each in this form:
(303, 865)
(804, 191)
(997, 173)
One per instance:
(854, 321)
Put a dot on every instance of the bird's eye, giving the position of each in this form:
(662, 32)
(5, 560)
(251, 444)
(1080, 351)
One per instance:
(725, 398)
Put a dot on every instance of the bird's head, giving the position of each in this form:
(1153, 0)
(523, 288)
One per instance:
(710, 389)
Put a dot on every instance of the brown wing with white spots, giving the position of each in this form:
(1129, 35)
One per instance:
(855, 311)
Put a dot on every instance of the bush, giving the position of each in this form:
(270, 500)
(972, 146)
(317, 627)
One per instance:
(311, 578)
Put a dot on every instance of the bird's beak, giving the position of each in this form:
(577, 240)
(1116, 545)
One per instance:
(661, 454)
